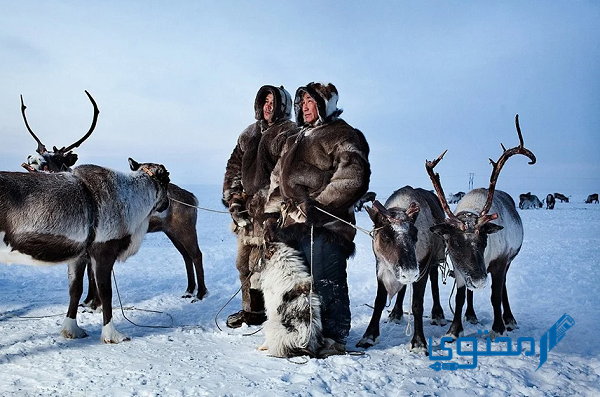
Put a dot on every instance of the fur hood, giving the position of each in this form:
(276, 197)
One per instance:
(282, 103)
(326, 96)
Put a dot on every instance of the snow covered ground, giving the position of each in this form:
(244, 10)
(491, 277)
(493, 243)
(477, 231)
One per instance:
(557, 272)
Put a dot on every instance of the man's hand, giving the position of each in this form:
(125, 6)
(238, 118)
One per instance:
(239, 214)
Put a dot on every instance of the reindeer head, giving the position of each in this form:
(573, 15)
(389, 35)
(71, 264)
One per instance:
(58, 159)
(394, 245)
(466, 233)
(159, 175)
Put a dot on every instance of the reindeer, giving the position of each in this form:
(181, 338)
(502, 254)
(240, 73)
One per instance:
(406, 251)
(455, 198)
(592, 198)
(550, 201)
(178, 222)
(477, 246)
(528, 201)
(90, 216)
(561, 197)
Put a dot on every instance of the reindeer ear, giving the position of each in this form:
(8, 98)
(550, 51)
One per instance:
(490, 228)
(372, 213)
(70, 159)
(164, 174)
(413, 211)
(134, 165)
(160, 173)
(443, 229)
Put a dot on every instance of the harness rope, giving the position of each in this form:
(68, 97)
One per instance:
(365, 231)
(310, 294)
(200, 208)
(143, 310)
(229, 301)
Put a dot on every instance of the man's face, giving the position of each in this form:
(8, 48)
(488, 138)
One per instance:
(268, 109)
(309, 109)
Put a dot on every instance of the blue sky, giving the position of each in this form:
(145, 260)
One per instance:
(175, 83)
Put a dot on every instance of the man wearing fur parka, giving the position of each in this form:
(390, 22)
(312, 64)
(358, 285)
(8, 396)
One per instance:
(245, 186)
(323, 167)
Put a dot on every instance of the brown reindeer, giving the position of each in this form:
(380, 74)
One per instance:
(478, 246)
(178, 222)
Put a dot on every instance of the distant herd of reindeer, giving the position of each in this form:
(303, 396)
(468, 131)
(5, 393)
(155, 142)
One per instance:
(526, 200)
(530, 201)
(414, 231)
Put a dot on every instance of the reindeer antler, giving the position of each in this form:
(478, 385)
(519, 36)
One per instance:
(86, 136)
(497, 167)
(41, 148)
(437, 185)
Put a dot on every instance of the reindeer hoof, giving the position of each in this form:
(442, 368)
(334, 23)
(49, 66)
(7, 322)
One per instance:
(111, 335)
(441, 321)
(419, 348)
(90, 306)
(70, 329)
(437, 316)
(494, 334)
(472, 318)
(454, 334)
(367, 342)
(187, 294)
(511, 325)
(200, 296)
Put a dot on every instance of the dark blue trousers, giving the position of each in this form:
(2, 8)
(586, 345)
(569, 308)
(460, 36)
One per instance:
(330, 280)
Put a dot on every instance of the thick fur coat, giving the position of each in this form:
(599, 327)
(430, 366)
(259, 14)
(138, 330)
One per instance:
(293, 325)
(248, 171)
(325, 165)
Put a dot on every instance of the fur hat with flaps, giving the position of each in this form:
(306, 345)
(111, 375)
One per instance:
(282, 103)
(326, 96)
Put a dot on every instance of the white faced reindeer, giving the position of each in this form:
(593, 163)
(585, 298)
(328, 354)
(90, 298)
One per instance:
(178, 222)
(406, 251)
(90, 215)
(477, 246)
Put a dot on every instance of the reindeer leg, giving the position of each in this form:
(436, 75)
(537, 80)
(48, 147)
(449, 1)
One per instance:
(397, 312)
(197, 258)
(418, 343)
(456, 328)
(498, 280)
(437, 313)
(470, 315)
(102, 271)
(92, 300)
(193, 250)
(189, 269)
(509, 319)
(371, 335)
(70, 329)
(187, 245)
